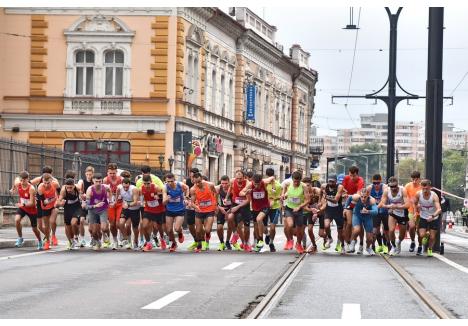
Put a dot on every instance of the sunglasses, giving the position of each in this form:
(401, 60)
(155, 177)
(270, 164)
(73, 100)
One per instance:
(146, 183)
(376, 182)
(393, 187)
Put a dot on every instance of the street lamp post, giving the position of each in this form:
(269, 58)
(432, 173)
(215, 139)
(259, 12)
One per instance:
(171, 162)
(109, 147)
(161, 162)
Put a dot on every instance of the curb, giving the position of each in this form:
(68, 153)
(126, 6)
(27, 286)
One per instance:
(11, 243)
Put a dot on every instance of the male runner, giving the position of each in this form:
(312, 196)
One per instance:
(274, 195)
(427, 205)
(311, 212)
(26, 206)
(130, 217)
(376, 191)
(83, 185)
(154, 211)
(203, 195)
(70, 200)
(47, 191)
(352, 183)
(412, 189)
(174, 194)
(224, 207)
(113, 180)
(190, 212)
(333, 210)
(396, 200)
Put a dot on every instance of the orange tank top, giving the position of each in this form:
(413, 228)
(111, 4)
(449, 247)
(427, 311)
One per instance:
(205, 199)
(49, 194)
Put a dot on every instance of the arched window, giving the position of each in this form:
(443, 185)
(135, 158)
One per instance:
(114, 62)
(84, 63)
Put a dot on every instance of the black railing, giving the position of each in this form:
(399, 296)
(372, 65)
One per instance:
(18, 156)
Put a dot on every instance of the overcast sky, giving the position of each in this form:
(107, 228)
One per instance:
(319, 31)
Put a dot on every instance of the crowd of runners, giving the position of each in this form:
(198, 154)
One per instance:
(146, 212)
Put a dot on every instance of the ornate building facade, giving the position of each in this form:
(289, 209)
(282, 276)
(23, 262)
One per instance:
(133, 76)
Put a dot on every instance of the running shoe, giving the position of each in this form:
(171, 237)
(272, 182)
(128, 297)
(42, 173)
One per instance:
(192, 246)
(69, 245)
(385, 249)
(136, 247)
(343, 251)
(398, 246)
(197, 250)
(96, 247)
(54, 240)
(221, 246)
(323, 247)
(148, 247)
(166, 238)
(173, 247)
(327, 244)
(247, 248)
(370, 252)
(313, 250)
(92, 243)
(412, 246)
(46, 245)
(181, 238)
(330, 241)
(228, 245)
(205, 245)
(290, 244)
(106, 244)
(234, 238)
(127, 245)
(429, 252)
(272, 247)
(267, 239)
(156, 242)
(299, 248)
(236, 246)
(19, 242)
(352, 247)
(39, 245)
(163, 244)
(260, 244)
(114, 246)
(75, 244)
(83, 243)
(286, 245)
(241, 246)
(419, 252)
(393, 251)
(379, 249)
(360, 250)
(338, 246)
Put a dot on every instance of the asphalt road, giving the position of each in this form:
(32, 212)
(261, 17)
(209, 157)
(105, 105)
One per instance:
(127, 284)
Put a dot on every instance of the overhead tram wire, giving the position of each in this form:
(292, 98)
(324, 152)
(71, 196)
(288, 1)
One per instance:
(352, 68)
(459, 83)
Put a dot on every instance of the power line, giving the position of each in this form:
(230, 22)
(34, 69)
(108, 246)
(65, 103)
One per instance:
(459, 83)
(352, 67)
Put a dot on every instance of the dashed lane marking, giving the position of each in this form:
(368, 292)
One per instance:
(351, 311)
(232, 266)
(164, 301)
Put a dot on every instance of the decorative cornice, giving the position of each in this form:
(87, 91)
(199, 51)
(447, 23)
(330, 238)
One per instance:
(78, 11)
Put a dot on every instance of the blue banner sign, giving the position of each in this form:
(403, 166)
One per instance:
(250, 110)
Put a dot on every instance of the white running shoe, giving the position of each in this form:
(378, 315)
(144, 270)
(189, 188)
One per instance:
(360, 250)
(398, 246)
(114, 245)
(327, 244)
(351, 247)
(370, 252)
(393, 252)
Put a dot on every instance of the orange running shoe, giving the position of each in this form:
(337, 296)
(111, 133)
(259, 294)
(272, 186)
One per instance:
(46, 245)
(299, 248)
(290, 244)
(181, 238)
(286, 245)
(54, 240)
(163, 244)
(247, 248)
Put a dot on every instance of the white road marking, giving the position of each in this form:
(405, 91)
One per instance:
(451, 263)
(231, 266)
(32, 254)
(351, 311)
(164, 301)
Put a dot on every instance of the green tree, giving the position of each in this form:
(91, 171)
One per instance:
(405, 167)
(377, 163)
(453, 175)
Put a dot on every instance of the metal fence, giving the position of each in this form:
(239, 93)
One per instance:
(18, 156)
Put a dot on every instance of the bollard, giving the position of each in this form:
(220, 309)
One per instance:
(441, 251)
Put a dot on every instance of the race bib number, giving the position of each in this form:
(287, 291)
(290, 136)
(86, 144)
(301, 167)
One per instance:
(24, 201)
(294, 200)
(72, 201)
(239, 200)
(258, 194)
(174, 200)
(331, 204)
(152, 203)
(205, 203)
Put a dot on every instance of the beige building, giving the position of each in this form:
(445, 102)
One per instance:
(74, 77)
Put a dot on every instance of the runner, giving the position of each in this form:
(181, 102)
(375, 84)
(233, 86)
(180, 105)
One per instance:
(412, 189)
(312, 211)
(274, 195)
(174, 194)
(240, 213)
(98, 200)
(352, 183)
(376, 191)
(427, 205)
(115, 211)
(260, 204)
(204, 202)
(224, 207)
(47, 191)
(154, 211)
(396, 201)
(53, 217)
(333, 210)
(83, 185)
(296, 197)
(364, 211)
(128, 226)
(190, 212)
(69, 199)
(130, 218)
(26, 206)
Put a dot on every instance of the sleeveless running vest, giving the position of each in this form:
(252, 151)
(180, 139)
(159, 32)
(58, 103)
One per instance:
(127, 196)
(222, 196)
(396, 200)
(236, 189)
(331, 194)
(176, 202)
(72, 199)
(295, 196)
(260, 197)
(205, 199)
(427, 205)
(99, 197)
(24, 198)
(153, 201)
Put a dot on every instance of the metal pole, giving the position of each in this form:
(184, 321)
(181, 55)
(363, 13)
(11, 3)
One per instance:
(434, 101)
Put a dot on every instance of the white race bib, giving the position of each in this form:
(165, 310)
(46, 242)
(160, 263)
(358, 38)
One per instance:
(205, 203)
(152, 203)
(258, 194)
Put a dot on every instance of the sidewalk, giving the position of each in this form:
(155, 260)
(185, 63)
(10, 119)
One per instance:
(8, 236)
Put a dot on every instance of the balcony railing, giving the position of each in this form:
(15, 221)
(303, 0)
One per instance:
(98, 106)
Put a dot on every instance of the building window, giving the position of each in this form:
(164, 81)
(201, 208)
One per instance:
(120, 150)
(84, 62)
(213, 92)
(113, 62)
(231, 98)
(195, 80)
(223, 91)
